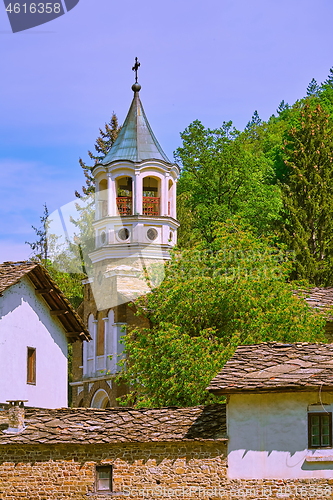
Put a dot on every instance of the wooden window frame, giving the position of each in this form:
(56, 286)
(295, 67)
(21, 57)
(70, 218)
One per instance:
(319, 414)
(31, 355)
(100, 468)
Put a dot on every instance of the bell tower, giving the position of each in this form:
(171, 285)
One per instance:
(135, 223)
(135, 229)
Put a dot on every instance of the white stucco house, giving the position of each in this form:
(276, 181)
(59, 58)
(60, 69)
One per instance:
(279, 411)
(36, 324)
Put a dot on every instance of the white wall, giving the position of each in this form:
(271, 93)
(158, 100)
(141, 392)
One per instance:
(25, 321)
(268, 436)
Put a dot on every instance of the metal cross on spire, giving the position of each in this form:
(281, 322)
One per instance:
(135, 68)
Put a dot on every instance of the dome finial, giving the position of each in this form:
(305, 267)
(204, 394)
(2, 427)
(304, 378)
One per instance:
(136, 86)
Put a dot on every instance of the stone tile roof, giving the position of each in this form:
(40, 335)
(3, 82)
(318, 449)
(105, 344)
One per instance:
(12, 272)
(320, 298)
(119, 425)
(276, 367)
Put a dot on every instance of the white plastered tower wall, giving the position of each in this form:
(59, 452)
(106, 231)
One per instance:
(25, 321)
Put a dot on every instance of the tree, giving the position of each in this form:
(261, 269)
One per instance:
(307, 194)
(59, 262)
(283, 107)
(85, 238)
(329, 80)
(222, 177)
(313, 88)
(102, 146)
(211, 300)
(40, 247)
(255, 121)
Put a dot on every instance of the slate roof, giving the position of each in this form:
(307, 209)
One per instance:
(12, 272)
(320, 298)
(119, 425)
(136, 141)
(274, 366)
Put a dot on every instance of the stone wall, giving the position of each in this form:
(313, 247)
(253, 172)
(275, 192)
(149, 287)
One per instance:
(59, 472)
(186, 470)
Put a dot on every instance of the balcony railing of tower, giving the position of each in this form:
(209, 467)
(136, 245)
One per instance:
(151, 206)
(124, 205)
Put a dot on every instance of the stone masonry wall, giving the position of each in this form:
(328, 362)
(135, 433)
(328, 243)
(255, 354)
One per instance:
(186, 470)
(59, 472)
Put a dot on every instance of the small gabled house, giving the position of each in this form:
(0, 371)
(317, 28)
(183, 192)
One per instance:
(279, 411)
(36, 323)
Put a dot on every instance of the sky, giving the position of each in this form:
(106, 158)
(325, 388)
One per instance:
(215, 61)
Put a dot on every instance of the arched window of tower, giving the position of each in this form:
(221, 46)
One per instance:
(103, 198)
(170, 197)
(151, 196)
(125, 195)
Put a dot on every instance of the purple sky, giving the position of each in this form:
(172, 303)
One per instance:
(214, 60)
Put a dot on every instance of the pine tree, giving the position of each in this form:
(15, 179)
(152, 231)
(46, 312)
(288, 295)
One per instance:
(329, 80)
(283, 106)
(312, 88)
(254, 122)
(307, 195)
(102, 146)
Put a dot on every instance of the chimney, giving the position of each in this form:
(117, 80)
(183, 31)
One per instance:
(15, 416)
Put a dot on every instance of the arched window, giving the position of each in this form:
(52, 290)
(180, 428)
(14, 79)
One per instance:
(103, 198)
(151, 196)
(100, 399)
(125, 196)
(170, 197)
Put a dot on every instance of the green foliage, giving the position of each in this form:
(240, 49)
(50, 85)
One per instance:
(313, 88)
(254, 122)
(84, 240)
(170, 368)
(40, 247)
(223, 176)
(307, 194)
(69, 283)
(213, 299)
